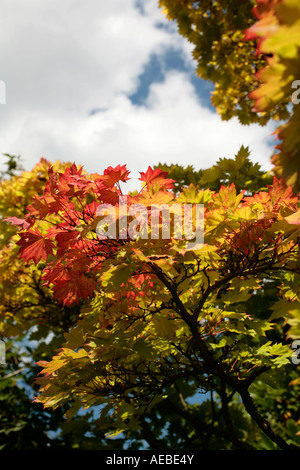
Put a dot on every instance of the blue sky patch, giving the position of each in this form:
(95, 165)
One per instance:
(155, 71)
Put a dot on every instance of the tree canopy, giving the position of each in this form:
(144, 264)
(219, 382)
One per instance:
(169, 315)
(250, 51)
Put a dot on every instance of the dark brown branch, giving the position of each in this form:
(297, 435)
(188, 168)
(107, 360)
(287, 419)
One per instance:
(225, 412)
(213, 367)
(262, 423)
(201, 427)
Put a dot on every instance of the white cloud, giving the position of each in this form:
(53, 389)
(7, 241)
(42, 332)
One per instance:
(171, 127)
(62, 59)
(72, 54)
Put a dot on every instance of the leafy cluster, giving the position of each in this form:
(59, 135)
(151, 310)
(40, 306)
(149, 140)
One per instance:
(250, 51)
(130, 328)
(25, 303)
(239, 170)
(278, 34)
(160, 313)
(27, 313)
(217, 31)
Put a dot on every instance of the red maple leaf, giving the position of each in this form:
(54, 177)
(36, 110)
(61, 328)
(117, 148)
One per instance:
(34, 246)
(42, 206)
(112, 175)
(110, 196)
(70, 292)
(56, 272)
(22, 223)
(157, 175)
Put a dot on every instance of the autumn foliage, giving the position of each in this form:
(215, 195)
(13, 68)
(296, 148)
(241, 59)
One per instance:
(152, 311)
(143, 323)
(250, 51)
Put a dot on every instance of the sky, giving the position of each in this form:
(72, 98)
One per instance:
(102, 83)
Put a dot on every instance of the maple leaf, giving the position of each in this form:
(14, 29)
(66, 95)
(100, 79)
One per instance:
(110, 196)
(38, 207)
(55, 273)
(34, 246)
(59, 185)
(64, 239)
(74, 169)
(114, 175)
(91, 209)
(227, 196)
(294, 219)
(158, 198)
(157, 175)
(42, 206)
(150, 174)
(71, 291)
(22, 223)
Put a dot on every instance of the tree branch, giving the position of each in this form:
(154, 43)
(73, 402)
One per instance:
(213, 367)
(262, 423)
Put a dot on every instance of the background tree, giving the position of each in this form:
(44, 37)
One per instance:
(240, 170)
(250, 51)
(217, 30)
(277, 32)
